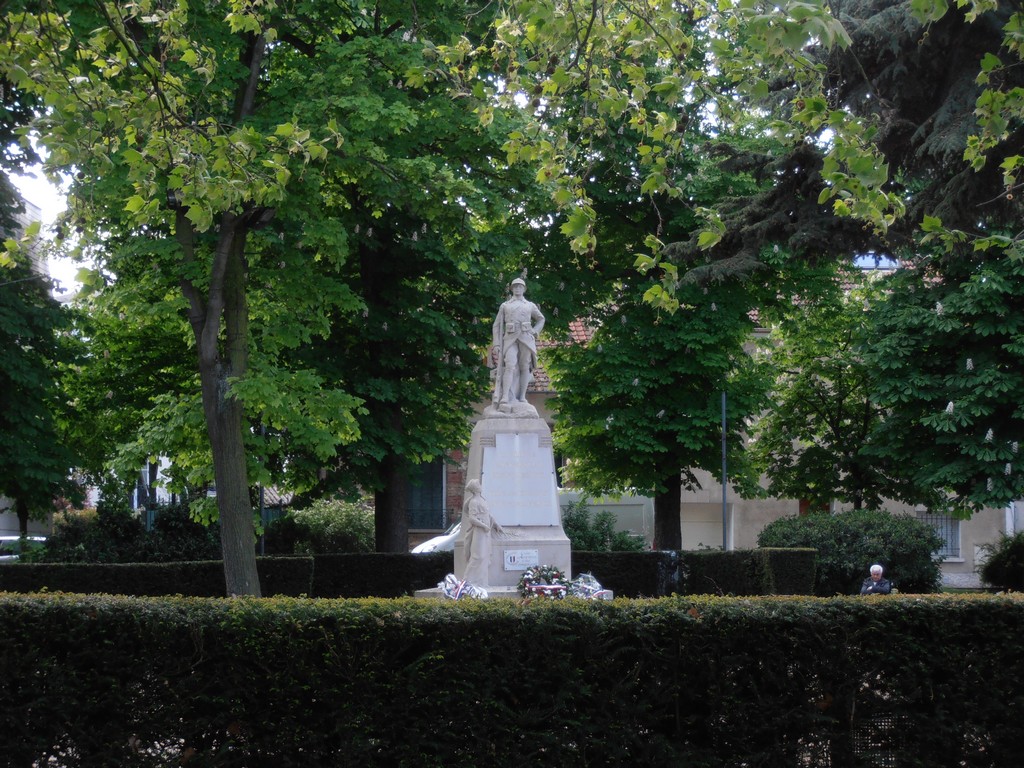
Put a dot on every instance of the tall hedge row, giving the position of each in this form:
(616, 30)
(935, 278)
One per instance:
(627, 574)
(909, 681)
(348, 575)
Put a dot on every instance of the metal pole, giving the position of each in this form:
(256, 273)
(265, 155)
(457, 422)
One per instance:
(725, 530)
(263, 515)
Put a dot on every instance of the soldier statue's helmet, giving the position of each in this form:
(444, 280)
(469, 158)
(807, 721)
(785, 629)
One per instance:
(518, 281)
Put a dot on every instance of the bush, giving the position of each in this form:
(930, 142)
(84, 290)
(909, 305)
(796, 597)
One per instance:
(849, 542)
(112, 534)
(324, 527)
(1005, 564)
(597, 535)
(104, 535)
(177, 536)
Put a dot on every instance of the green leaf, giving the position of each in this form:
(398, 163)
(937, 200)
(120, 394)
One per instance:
(135, 204)
(577, 225)
(708, 239)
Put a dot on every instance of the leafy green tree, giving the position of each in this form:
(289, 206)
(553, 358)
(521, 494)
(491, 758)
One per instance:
(423, 268)
(204, 123)
(639, 406)
(882, 134)
(949, 357)
(947, 348)
(850, 542)
(35, 465)
(648, 72)
(131, 363)
(813, 442)
(166, 100)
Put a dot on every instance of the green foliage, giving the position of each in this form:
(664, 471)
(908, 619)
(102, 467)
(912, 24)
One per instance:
(641, 402)
(596, 534)
(114, 534)
(681, 681)
(814, 442)
(1004, 563)
(177, 536)
(132, 385)
(767, 571)
(644, 74)
(368, 205)
(34, 458)
(325, 526)
(422, 271)
(324, 576)
(848, 543)
(639, 405)
(949, 361)
(97, 536)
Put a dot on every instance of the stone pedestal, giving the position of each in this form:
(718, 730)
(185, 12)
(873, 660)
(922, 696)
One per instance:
(512, 458)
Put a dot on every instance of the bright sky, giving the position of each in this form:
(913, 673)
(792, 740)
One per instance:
(37, 190)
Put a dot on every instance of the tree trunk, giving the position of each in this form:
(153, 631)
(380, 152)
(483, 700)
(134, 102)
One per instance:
(667, 515)
(220, 359)
(237, 533)
(21, 508)
(391, 521)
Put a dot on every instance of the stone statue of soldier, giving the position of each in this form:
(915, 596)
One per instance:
(514, 336)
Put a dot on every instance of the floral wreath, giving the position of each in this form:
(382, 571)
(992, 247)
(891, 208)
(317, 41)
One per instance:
(543, 581)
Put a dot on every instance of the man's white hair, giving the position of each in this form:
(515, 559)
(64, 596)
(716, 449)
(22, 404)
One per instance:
(876, 568)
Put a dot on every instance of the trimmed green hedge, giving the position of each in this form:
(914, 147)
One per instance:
(771, 571)
(627, 574)
(378, 574)
(104, 681)
(631, 574)
(289, 576)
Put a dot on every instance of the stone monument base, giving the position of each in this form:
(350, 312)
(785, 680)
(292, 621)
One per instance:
(522, 547)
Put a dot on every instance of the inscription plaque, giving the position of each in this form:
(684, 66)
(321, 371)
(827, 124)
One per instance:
(519, 480)
(521, 559)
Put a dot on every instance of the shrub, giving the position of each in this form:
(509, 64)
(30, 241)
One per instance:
(106, 535)
(1005, 564)
(597, 535)
(326, 526)
(177, 536)
(113, 534)
(849, 542)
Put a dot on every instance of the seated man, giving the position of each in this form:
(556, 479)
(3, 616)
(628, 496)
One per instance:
(875, 584)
